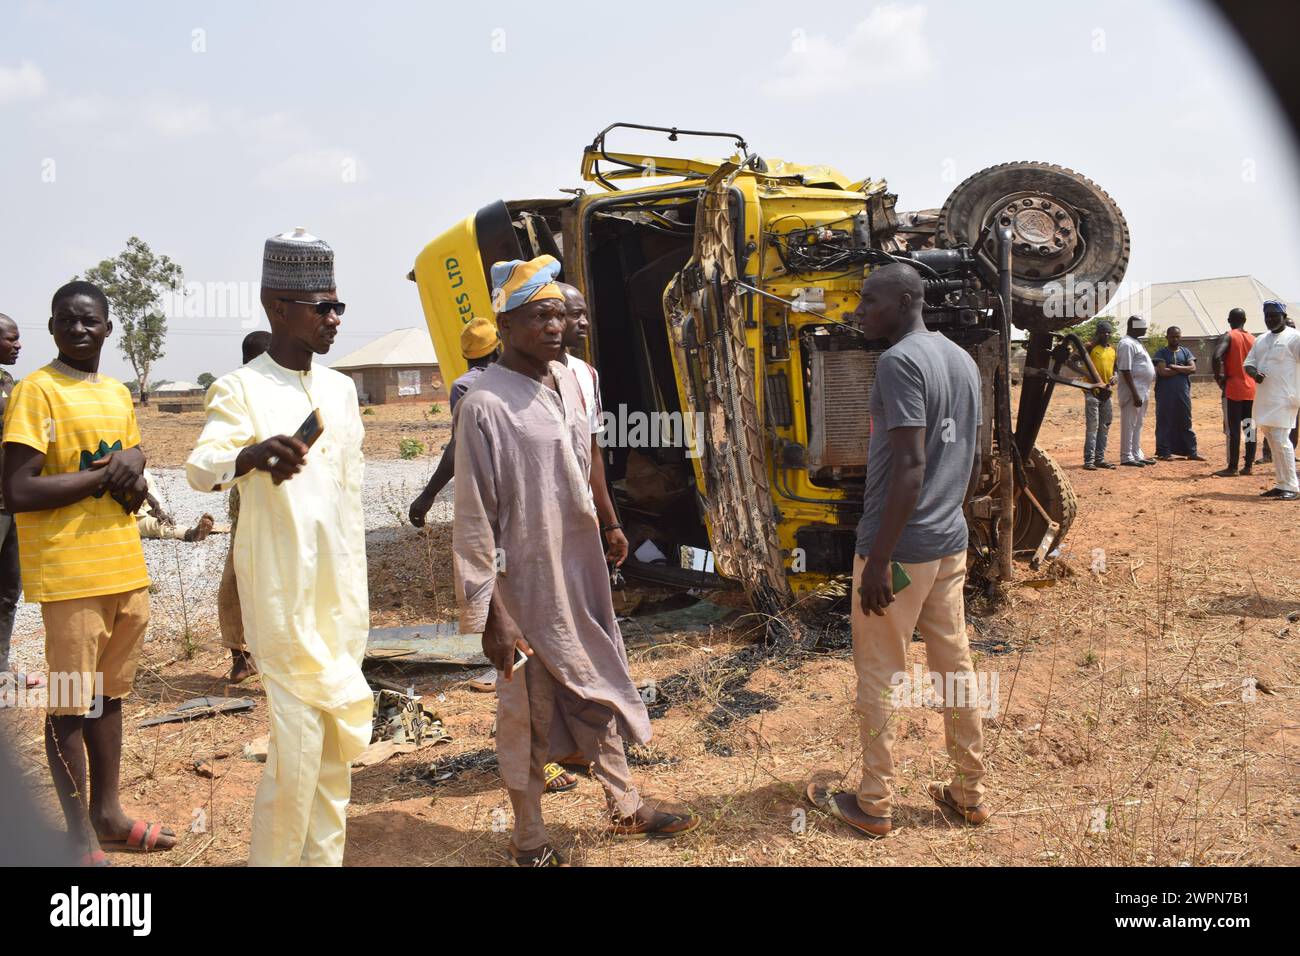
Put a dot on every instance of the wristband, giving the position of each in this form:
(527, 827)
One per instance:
(610, 527)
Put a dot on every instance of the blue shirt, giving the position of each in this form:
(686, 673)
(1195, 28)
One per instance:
(1175, 384)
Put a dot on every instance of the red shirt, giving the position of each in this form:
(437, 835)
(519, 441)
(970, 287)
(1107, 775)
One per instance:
(1240, 387)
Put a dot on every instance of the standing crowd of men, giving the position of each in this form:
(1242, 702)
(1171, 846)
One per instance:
(535, 534)
(1259, 380)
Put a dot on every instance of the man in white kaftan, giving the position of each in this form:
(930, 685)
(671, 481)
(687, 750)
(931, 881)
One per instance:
(1274, 363)
(299, 558)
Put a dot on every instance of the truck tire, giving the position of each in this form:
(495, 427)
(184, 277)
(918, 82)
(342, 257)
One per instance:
(1071, 245)
(1048, 483)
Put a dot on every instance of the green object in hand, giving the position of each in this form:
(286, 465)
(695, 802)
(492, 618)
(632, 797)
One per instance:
(901, 580)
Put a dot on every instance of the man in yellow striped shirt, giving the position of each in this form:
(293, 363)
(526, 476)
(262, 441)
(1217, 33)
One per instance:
(73, 478)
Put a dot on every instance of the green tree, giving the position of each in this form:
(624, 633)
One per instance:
(1154, 340)
(205, 379)
(134, 283)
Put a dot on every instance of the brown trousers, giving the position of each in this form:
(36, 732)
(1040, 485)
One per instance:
(591, 726)
(933, 605)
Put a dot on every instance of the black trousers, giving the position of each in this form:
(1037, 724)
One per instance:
(1238, 411)
(11, 584)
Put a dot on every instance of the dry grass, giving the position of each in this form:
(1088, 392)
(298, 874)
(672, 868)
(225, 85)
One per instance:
(1123, 736)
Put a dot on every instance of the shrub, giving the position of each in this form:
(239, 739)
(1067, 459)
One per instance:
(410, 448)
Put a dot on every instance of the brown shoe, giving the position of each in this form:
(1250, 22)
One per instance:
(941, 795)
(821, 797)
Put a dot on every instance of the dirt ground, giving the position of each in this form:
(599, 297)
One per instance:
(1127, 729)
(168, 437)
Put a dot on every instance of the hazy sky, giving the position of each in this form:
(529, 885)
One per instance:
(204, 128)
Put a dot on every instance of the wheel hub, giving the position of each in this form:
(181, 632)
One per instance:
(1044, 233)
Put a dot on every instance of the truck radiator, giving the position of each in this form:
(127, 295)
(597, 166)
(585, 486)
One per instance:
(840, 387)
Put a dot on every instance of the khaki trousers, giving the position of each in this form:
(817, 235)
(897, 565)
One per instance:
(88, 636)
(229, 618)
(931, 604)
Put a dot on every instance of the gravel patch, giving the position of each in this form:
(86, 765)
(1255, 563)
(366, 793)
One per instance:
(186, 576)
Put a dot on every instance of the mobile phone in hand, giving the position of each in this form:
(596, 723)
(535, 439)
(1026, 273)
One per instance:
(901, 577)
(311, 428)
(520, 657)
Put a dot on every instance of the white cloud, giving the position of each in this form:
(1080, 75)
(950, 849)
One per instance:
(176, 120)
(326, 166)
(23, 82)
(77, 110)
(887, 47)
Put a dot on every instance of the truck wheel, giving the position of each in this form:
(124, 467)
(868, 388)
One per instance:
(1070, 243)
(1053, 491)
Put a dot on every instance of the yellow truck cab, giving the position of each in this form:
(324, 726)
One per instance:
(734, 381)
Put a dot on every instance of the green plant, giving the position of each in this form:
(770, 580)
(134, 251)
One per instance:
(410, 448)
(367, 411)
(435, 409)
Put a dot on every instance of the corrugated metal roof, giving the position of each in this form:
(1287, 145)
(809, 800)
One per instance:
(1199, 307)
(399, 347)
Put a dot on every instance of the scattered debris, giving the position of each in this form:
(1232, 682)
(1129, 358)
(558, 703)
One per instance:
(255, 750)
(697, 617)
(449, 768)
(201, 707)
(401, 718)
(207, 770)
(426, 644)
(381, 750)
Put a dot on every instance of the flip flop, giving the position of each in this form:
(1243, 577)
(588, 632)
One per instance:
(824, 800)
(553, 772)
(143, 837)
(544, 855)
(940, 794)
(673, 825)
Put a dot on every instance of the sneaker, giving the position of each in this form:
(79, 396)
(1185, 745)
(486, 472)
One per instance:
(1089, 467)
(1108, 465)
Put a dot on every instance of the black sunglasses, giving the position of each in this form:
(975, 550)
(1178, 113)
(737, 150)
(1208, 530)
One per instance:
(322, 308)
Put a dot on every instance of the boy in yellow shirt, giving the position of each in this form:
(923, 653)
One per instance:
(73, 477)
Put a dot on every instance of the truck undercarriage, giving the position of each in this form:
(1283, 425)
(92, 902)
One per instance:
(724, 298)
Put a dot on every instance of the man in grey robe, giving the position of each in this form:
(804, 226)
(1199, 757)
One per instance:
(531, 575)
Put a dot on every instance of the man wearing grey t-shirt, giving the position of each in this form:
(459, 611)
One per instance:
(922, 464)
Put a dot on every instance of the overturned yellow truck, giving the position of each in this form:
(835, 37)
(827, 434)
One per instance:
(722, 295)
